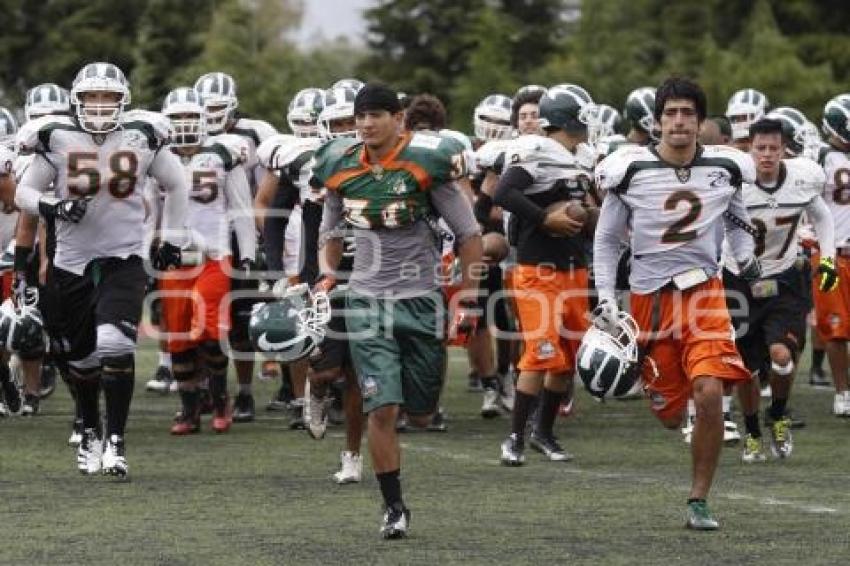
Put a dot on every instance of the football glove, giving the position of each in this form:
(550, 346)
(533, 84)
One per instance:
(464, 322)
(751, 270)
(605, 314)
(68, 210)
(167, 255)
(828, 274)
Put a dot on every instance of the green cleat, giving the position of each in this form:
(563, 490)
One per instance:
(699, 517)
(752, 450)
(781, 443)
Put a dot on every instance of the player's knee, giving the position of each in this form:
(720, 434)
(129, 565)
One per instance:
(113, 341)
(708, 395)
(781, 360)
(183, 365)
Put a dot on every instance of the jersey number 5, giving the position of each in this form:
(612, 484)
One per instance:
(84, 165)
(677, 232)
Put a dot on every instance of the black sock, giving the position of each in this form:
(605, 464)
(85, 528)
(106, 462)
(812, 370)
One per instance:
(523, 403)
(390, 487)
(696, 500)
(549, 404)
(88, 396)
(817, 359)
(118, 392)
(5, 374)
(503, 356)
(777, 408)
(751, 424)
(490, 382)
(190, 400)
(218, 390)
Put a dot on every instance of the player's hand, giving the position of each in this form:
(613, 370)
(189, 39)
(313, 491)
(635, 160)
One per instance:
(464, 322)
(605, 314)
(559, 222)
(23, 293)
(828, 274)
(166, 256)
(68, 210)
(751, 270)
(324, 284)
(247, 267)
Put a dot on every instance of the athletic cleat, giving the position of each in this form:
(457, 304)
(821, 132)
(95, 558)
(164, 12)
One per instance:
(781, 442)
(491, 407)
(162, 380)
(30, 406)
(48, 380)
(840, 404)
(12, 397)
(549, 447)
(396, 522)
(316, 413)
(765, 392)
(114, 459)
(4, 410)
(753, 452)
(818, 379)
(76, 433)
(401, 422)
(89, 452)
(699, 517)
(512, 451)
(282, 398)
(222, 418)
(438, 421)
(688, 430)
(296, 415)
(243, 408)
(731, 435)
(183, 425)
(351, 468)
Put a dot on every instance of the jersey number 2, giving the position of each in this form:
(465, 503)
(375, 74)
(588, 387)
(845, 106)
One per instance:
(677, 232)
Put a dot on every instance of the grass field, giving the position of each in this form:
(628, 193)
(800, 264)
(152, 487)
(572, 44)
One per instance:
(262, 494)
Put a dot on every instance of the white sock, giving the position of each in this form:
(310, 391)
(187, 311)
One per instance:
(692, 409)
(727, 404)
(165, 359)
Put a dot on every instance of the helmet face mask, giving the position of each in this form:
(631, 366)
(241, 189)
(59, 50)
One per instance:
(8, 128)
(336, 120)
(568, 107)
(100, 94)
(303, 113)
(607, 362)
(745, 108)
(492, 118)
(292, 327)
(188, 121)
(218, 98)
(47, 99)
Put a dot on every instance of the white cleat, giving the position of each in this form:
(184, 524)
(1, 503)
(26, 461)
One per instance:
(114, 460)
(492, 405)
(841, 404)
(89, 452)
(351, 469)
(731, 435)
(316, 414)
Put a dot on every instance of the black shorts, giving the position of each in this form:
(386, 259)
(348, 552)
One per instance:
(110, 291)
(773, 320)
(333, 351)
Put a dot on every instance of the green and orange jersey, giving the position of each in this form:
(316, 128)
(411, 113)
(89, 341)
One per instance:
(393, 192)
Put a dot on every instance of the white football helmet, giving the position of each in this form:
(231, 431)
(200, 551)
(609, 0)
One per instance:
(218, 97)
(183, 108)
(492, 118)
(8, 128)
(339, 106)
(607, 361)
(102, 117)
(355, 84)
(604, 123)
(47, 99)
(303, 113)
(745, 108)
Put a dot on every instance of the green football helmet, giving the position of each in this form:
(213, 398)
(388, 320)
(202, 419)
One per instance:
(567, 107)
(290, 328)
(797, 131)
(607, 361)
(640, 111)
(836, 118)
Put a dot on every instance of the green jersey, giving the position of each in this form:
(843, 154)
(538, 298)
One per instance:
(394, 192)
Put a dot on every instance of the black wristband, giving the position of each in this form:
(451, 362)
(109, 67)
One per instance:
(22, 258)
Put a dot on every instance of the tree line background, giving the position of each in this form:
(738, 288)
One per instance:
(795, 51)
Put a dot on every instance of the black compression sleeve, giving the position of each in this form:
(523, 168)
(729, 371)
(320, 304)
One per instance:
(510, 195)
(311, 219)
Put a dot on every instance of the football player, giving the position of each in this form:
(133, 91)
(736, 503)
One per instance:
(744, 108)
(96, 159)
(675, 197)
(192, 296)
(218, 94)
(492, 118)
(771, 329)
(640, 115)
(385, 187)
(543, 176)
(833, 309)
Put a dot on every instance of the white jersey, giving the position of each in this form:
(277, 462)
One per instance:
(254, 132)
(776, 213)
(292, 156)
(219, 197)
(490, 157)
(836, 167)
(110, 169)
(676, 214)
(7, 161)
(8, 219)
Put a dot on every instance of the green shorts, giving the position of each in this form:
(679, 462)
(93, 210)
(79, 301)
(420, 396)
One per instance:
(398, 350)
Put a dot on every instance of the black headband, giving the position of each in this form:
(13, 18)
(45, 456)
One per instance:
(376, 96)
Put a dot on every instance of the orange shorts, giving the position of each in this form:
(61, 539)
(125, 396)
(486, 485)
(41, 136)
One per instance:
(694, 338)
(552, 308)
(191, 306)
(832, 310)
(6, 284)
